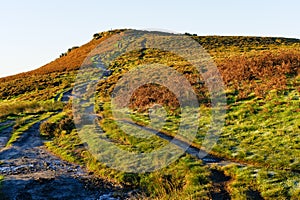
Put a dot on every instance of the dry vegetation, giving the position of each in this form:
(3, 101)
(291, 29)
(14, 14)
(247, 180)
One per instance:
(262, 124)
(260, 73)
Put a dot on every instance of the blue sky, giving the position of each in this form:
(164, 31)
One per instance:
(35, 32)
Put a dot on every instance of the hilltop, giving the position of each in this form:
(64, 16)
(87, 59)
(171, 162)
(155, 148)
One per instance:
(218, 46)
(74, 56)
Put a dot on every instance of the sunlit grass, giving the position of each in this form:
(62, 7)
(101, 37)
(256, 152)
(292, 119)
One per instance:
(265, 132)
(21, 108)
(28, 122)
(271, 184)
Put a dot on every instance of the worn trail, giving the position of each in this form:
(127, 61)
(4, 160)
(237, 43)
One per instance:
(188, 148)
(31, 172)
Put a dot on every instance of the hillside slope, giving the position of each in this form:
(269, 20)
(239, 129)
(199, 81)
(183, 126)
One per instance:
(256, 156)
(74, 57)
(59, 73)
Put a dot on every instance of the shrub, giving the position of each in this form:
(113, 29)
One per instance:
(67, 125)
(260, 74)
(97, 36)
(48, 129)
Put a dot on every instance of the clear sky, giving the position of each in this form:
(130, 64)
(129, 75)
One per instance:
(35, 32)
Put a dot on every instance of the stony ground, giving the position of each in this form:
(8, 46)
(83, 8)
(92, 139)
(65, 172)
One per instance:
(32, 172)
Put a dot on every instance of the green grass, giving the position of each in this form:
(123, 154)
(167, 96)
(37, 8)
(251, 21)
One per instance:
(270, 184)
(58, 117)
(186, 178)
(25, 125)
(61, 94)
(66, 146)
(263, 131)
(173, 122)
(16, 108)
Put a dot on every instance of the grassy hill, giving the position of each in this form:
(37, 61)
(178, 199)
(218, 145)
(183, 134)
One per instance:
(261, 130)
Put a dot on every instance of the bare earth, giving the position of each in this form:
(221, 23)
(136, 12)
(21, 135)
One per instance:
(32, 172)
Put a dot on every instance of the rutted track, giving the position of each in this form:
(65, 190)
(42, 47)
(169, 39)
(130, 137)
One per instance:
(219, 179)
(31, 172)
(189, 149)
(5, 134)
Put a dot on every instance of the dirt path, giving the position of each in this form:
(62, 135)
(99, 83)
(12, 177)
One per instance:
(219, 179)
(31, 172)
(208, 159)
(65, 96)
(5, 134)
